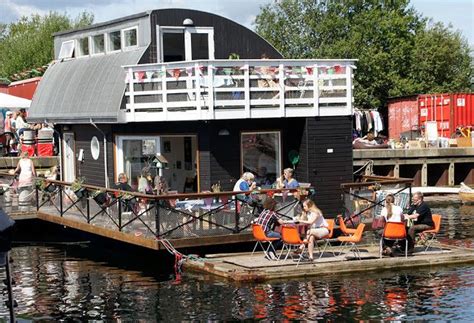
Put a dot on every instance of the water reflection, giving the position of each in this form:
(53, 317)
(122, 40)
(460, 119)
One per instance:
(54, 283)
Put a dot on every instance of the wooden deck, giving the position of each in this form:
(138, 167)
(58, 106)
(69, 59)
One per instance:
(245, 267)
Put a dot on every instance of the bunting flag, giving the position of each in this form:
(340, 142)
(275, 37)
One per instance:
(309, 70)
(323, 70)
(201, 70)
(330, 71)
(176, 73)
(243, 68)
(189, 71)
(338, 68)
(140, 76)
(149, 75)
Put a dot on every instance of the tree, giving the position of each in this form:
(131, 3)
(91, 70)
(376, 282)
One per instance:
(28, 43)
(387, 38)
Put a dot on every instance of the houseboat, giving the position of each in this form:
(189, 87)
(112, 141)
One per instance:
(197, 99)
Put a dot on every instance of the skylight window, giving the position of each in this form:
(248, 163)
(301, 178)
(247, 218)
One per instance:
(67, 49)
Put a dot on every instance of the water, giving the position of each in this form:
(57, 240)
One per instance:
(61, 282)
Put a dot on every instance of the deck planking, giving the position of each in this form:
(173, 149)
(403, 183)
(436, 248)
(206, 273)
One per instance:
(245, 267)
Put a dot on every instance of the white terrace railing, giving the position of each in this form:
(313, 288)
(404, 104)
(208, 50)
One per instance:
(238, 89)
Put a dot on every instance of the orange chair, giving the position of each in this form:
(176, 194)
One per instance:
(394, 231)
(342, 225)
(261, 238)
(353, 240)
(327, 239)
(291, 240)
(432, 232)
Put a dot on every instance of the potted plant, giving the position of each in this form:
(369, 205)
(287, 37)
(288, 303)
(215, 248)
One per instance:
(100, 196)
(45, 186)
(77, 188)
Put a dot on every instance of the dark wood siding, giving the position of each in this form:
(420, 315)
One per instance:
(229, 37)
(219, 156)
(327, 170)
(93, 170)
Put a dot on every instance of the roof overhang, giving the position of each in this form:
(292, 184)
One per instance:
(76, 90)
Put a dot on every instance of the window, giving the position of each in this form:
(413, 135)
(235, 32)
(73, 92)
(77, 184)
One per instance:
(98, 44)
(130, 37)
(67, 49)
(95, 148)
(261, 155)
(114, 41)
(83, 46)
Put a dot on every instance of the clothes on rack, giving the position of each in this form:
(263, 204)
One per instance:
(367, 121)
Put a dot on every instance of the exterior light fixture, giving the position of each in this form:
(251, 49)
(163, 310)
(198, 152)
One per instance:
(223, 132)
(188, 22)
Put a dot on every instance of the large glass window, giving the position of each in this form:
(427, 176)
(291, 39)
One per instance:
(200, 46)
(98, 44)
(114, 41)
(130, 37)
(261, 155)
(83, 46)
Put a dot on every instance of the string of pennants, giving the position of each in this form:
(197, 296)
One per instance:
(140, 76)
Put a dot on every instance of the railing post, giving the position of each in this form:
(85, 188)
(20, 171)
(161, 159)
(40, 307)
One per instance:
(37, 198)
(281, 86)
(131, 90)
(197, 93)
(349, 87)
(247, 90)
(164, 95)
(210, 76)
(119, 204)
(316, 90)
(88, 208)
(237, 216)
(157, 218)
(60, 192)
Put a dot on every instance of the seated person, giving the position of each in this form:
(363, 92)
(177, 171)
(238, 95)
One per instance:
(287, 180)
(124, 186)
(318, 225)
(367, 142)
(420, 212)
(263, 179)
(268, 219)
(391, 213)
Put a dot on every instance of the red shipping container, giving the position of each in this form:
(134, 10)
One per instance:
(402, 117)
(24, 88)
(45, 149)
(449, 110)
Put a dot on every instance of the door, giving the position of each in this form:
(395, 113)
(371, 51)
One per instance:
(185, 43)
(69, 160)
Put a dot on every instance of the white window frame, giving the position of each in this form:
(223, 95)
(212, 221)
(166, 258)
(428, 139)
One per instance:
(123, 38)
(188, 31)
(92, 44)
(279, 159)
(65, 52)
(109, 42)
(78, 55)
(119, 149)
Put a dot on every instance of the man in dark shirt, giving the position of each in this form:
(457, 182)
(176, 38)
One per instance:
(123, 185)
(420, 212)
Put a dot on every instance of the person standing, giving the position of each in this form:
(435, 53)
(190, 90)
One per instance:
(26, 169)
(420, 212)
(7, 127)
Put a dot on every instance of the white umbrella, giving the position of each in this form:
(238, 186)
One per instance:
(11, 101)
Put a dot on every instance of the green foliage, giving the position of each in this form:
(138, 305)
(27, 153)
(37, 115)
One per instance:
(28, 43)
(398, 52)
(77, 184)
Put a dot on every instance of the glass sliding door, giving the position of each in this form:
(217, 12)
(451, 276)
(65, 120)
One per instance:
(185, 43)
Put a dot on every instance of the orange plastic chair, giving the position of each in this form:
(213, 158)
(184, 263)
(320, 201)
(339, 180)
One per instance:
(394, 231)
(261, 238)
(432, 233)
(327, 239)
(291, 240)
(342, 225)
(353, 240)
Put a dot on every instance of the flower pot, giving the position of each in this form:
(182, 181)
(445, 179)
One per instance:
(101, 198)
(50, 188)
(80, 192)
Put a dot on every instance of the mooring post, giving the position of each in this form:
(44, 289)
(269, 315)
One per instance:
(11, 300)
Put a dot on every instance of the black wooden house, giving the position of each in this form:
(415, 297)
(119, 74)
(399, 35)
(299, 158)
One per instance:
(166, 82)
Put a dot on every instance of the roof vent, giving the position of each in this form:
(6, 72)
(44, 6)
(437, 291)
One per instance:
(188, 22)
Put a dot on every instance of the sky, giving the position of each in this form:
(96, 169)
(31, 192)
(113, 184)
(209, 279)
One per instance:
(458, 13)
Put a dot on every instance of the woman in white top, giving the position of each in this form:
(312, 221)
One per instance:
(27, 171)
(392, 212)
(319, 226)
